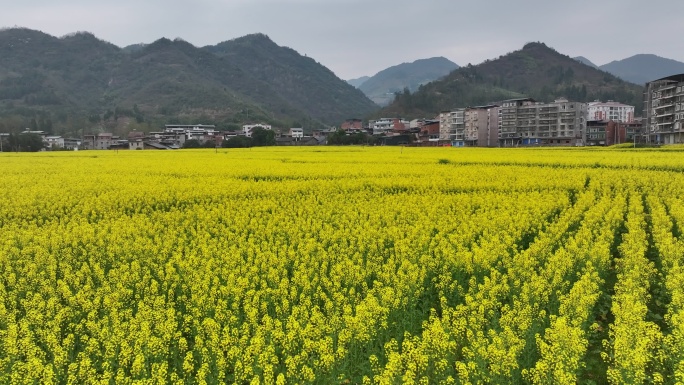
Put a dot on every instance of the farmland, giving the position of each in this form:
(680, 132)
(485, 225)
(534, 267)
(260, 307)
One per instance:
(342, 265)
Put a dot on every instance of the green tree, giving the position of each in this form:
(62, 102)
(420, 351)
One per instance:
(337, 138)
(263, 137)
(25, 142)
(341, 138)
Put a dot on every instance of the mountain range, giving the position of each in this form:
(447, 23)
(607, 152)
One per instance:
(79, 82)
(535, 71)
(639, 69)
(643, 68)
(382, 86)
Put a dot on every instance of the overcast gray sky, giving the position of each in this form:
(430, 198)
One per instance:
(361, 37)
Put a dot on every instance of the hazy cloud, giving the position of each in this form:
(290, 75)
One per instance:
(355, 38)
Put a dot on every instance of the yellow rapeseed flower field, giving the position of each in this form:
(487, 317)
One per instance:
(342, 265)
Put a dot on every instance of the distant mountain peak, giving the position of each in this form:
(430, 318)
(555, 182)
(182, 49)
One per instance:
(161, 41)
(535, 45)
(433, 59)
(79, 34)
(165, 43)
(256, 35)
(585, 61)
(260, 38)
(645, 56)
(642, 68)
(25, 35)
(134, 47)
(382, 86)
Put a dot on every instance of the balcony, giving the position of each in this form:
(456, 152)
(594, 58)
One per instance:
(670, 104)
(664, 114)
(666, 97)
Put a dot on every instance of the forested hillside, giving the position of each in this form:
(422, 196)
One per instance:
(535, 71)
(79, 83)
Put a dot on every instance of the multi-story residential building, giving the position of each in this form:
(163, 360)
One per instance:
(664, 110)
(175, 138)
(451, 126)
(102, 141)
(199, 132)
(481, 126)
(445, 125)
(53, 141)
(136, 144)
(562, 123)
(609, 132)
(457, 127)
(296, 133)
(597, 132)
(430, 132)
(72, 143)
(508, 120)
(610, 110)
(386, 125)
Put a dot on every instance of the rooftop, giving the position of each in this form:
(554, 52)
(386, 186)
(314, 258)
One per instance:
(674, 78)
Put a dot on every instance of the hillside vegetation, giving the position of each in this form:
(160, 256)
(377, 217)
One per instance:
(535, 71)
(301, 81)
(80, 83)
(381, 87)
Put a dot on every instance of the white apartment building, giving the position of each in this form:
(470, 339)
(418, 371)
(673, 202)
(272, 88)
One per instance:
(200, 132)
(248, 128)
(385, 125)
(296, 133)
(457, 127)
(610, 110)
(52, 141)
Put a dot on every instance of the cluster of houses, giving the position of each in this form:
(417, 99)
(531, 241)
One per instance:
(513, 122)
(174, 136)
(516, 122)
(52, 141)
